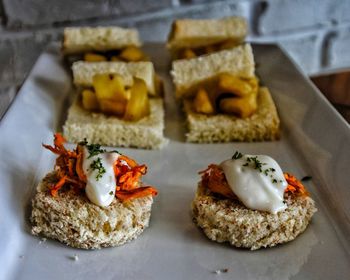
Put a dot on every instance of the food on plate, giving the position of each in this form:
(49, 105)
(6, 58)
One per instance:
(222, 98)
(93, 198)
(249, 202)
(190, 38)
(111, 43)
(119, 104)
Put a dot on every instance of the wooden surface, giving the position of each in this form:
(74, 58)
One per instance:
(336, 87)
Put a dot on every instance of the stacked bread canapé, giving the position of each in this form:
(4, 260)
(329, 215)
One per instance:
(95, 198)
(222, 98)
(120, 101)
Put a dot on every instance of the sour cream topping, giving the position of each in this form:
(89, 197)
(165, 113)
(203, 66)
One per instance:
(258, 182)
(100, 178)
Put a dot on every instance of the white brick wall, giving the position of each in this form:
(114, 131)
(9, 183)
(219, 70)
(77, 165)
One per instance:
(316, 33)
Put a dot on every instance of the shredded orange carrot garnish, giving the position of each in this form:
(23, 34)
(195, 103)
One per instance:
(213, 178)
(70, 172)
(294, 185)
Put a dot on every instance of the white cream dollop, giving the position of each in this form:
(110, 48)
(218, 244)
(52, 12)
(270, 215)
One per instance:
(100, 190)
(257, 188)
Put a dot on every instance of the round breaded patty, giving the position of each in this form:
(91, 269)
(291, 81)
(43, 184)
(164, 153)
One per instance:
(72, 219)
(226, 220)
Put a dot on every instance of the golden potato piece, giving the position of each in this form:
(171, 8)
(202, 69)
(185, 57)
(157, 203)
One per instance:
(231, 84)
(187, 54)
(138, 105)
(202, 102)
(132, 54)
(112, 107)
(115, 58)
(110, 86)
(92, 57)
(243, 107)
(89, 100)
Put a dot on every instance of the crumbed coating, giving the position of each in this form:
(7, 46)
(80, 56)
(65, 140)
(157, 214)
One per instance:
(72, 219)
(82, 39)
(190, 33)
(263, 125)
(188, 74)
(226, 220)
(106, 130)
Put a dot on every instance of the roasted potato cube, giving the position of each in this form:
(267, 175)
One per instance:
(228, 45)
(93, 57)
(202, 102)
(138, 105)
(243, 107)
(231, 84)
(115, 58)
(187, 54)
(89, 100)
(132, 53)
(110, 86)
(209, 49)
(112, 107)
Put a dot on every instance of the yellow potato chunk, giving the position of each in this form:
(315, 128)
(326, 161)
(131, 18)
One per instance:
(89, 100)
(227, 45)
(110, 86)
(112, 107)
(235, 85)
(92, 57)
(132, 53)
(243, 107)
(138, 105)
(202, 102)
(187, 54)
(115, 58)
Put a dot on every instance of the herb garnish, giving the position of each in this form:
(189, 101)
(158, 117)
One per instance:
(237, 155)
(306, 178)
(97, 165)
(111, 193)
(255, 163)
(95, 149)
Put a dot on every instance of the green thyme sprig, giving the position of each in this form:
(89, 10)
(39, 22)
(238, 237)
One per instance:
(94, 149)
(237, 155)
(97, 165)
(257, 164)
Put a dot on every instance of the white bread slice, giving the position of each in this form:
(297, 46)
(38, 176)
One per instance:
(262, 125)
(83, 39)
(83, 72)
(192, 33)
(189, 73)
(226, 220)
(112, 131)
(72, 219)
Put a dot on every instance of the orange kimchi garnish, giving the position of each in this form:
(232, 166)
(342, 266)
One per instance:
(294, 185)
(70, 172)
(213, 178)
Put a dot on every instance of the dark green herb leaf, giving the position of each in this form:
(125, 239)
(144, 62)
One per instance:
(94, 149)
(97, 165)
(111, 193)
(237, 155)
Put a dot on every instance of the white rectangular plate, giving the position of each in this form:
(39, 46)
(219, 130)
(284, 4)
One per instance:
(315, 141)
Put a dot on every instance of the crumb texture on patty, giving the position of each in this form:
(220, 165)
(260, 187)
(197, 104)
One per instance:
(225, 220)
(75, 221)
